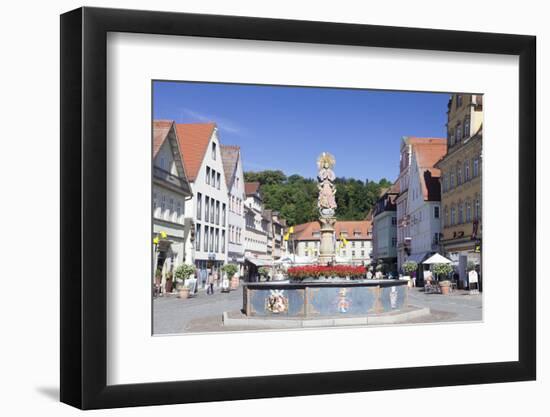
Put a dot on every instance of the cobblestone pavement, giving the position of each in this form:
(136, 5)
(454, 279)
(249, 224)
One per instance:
(203, 313)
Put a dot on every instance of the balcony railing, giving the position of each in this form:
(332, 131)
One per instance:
(172, 179)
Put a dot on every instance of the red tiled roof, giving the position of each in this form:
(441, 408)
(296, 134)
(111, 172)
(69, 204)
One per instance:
(305, 231)
(251, 187)
(193, 141)
(160, 131)
(427, 154)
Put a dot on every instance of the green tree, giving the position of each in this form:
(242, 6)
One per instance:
(295, 197)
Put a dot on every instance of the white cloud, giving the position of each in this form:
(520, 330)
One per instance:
(223, 123)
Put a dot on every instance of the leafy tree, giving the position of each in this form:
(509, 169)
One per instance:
(295, 197)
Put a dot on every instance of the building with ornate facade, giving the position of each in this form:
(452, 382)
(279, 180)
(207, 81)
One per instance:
(461, 170)
(172, 225)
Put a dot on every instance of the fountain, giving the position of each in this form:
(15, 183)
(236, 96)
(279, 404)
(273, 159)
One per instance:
(326, 290)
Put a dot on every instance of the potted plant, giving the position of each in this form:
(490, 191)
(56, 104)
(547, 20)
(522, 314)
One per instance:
(445, 270)
(169, 285)
(409, 268)
(231, 271)
(183, 272)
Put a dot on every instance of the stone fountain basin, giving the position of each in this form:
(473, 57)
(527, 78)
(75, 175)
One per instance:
(325, 297)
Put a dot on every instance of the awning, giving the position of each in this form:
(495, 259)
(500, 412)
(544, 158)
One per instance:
(260, 262)
(437, 259)
(418, 257)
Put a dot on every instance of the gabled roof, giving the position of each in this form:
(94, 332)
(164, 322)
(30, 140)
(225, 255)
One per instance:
(427, 154)
(193, 140)
(251, 188)
(160, 132)
(306, 231)
(230, 158)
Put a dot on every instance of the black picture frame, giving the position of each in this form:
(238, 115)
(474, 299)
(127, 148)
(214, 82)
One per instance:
(84, 207)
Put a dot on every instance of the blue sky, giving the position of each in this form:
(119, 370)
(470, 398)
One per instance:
(286, 128)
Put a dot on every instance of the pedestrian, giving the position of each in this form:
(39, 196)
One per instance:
(210, 283)
(369, 274)
(216, 278)
(413, 279)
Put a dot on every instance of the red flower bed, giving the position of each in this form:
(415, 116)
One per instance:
(316, 271)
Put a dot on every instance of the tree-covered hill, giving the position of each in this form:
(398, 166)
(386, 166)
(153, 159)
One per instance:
(295, 197)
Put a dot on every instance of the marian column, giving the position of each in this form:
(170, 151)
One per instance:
(327, 207)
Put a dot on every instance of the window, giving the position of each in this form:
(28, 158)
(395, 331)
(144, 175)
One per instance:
(446, 217)
(214, 151)
(217, 241)
(218, 180)
(394, 221)
(223, 214)
(207, 208)
(393, 242)
(155, 204)
(362, 254)
(452, 179)
(458, 100)
(453, 215)
(452, 137)
(476, 167)
(213, 181)
(212, 211)
(206, 235)
(198, 237)
(208, 175)
(163, 207)
(468, 212)
(199, 205)
(477, 209)
(467, 127)
(178, 210)
(170, 207)
(211, 243)
(458, 133)
(436, 212)
(353, 253)
(466, 170)
(223, 241)
(217, 212)
(461, 213)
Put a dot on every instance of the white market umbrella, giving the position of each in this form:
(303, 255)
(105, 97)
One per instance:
(437, 259)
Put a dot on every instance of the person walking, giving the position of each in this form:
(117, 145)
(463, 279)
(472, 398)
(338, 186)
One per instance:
(210, 283)
(216, 279)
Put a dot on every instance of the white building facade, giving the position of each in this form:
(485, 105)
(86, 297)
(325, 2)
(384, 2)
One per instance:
(201, 152)
(424, 201)
(236, 225)
(384, 229)
(172, 224)
(256, 234)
